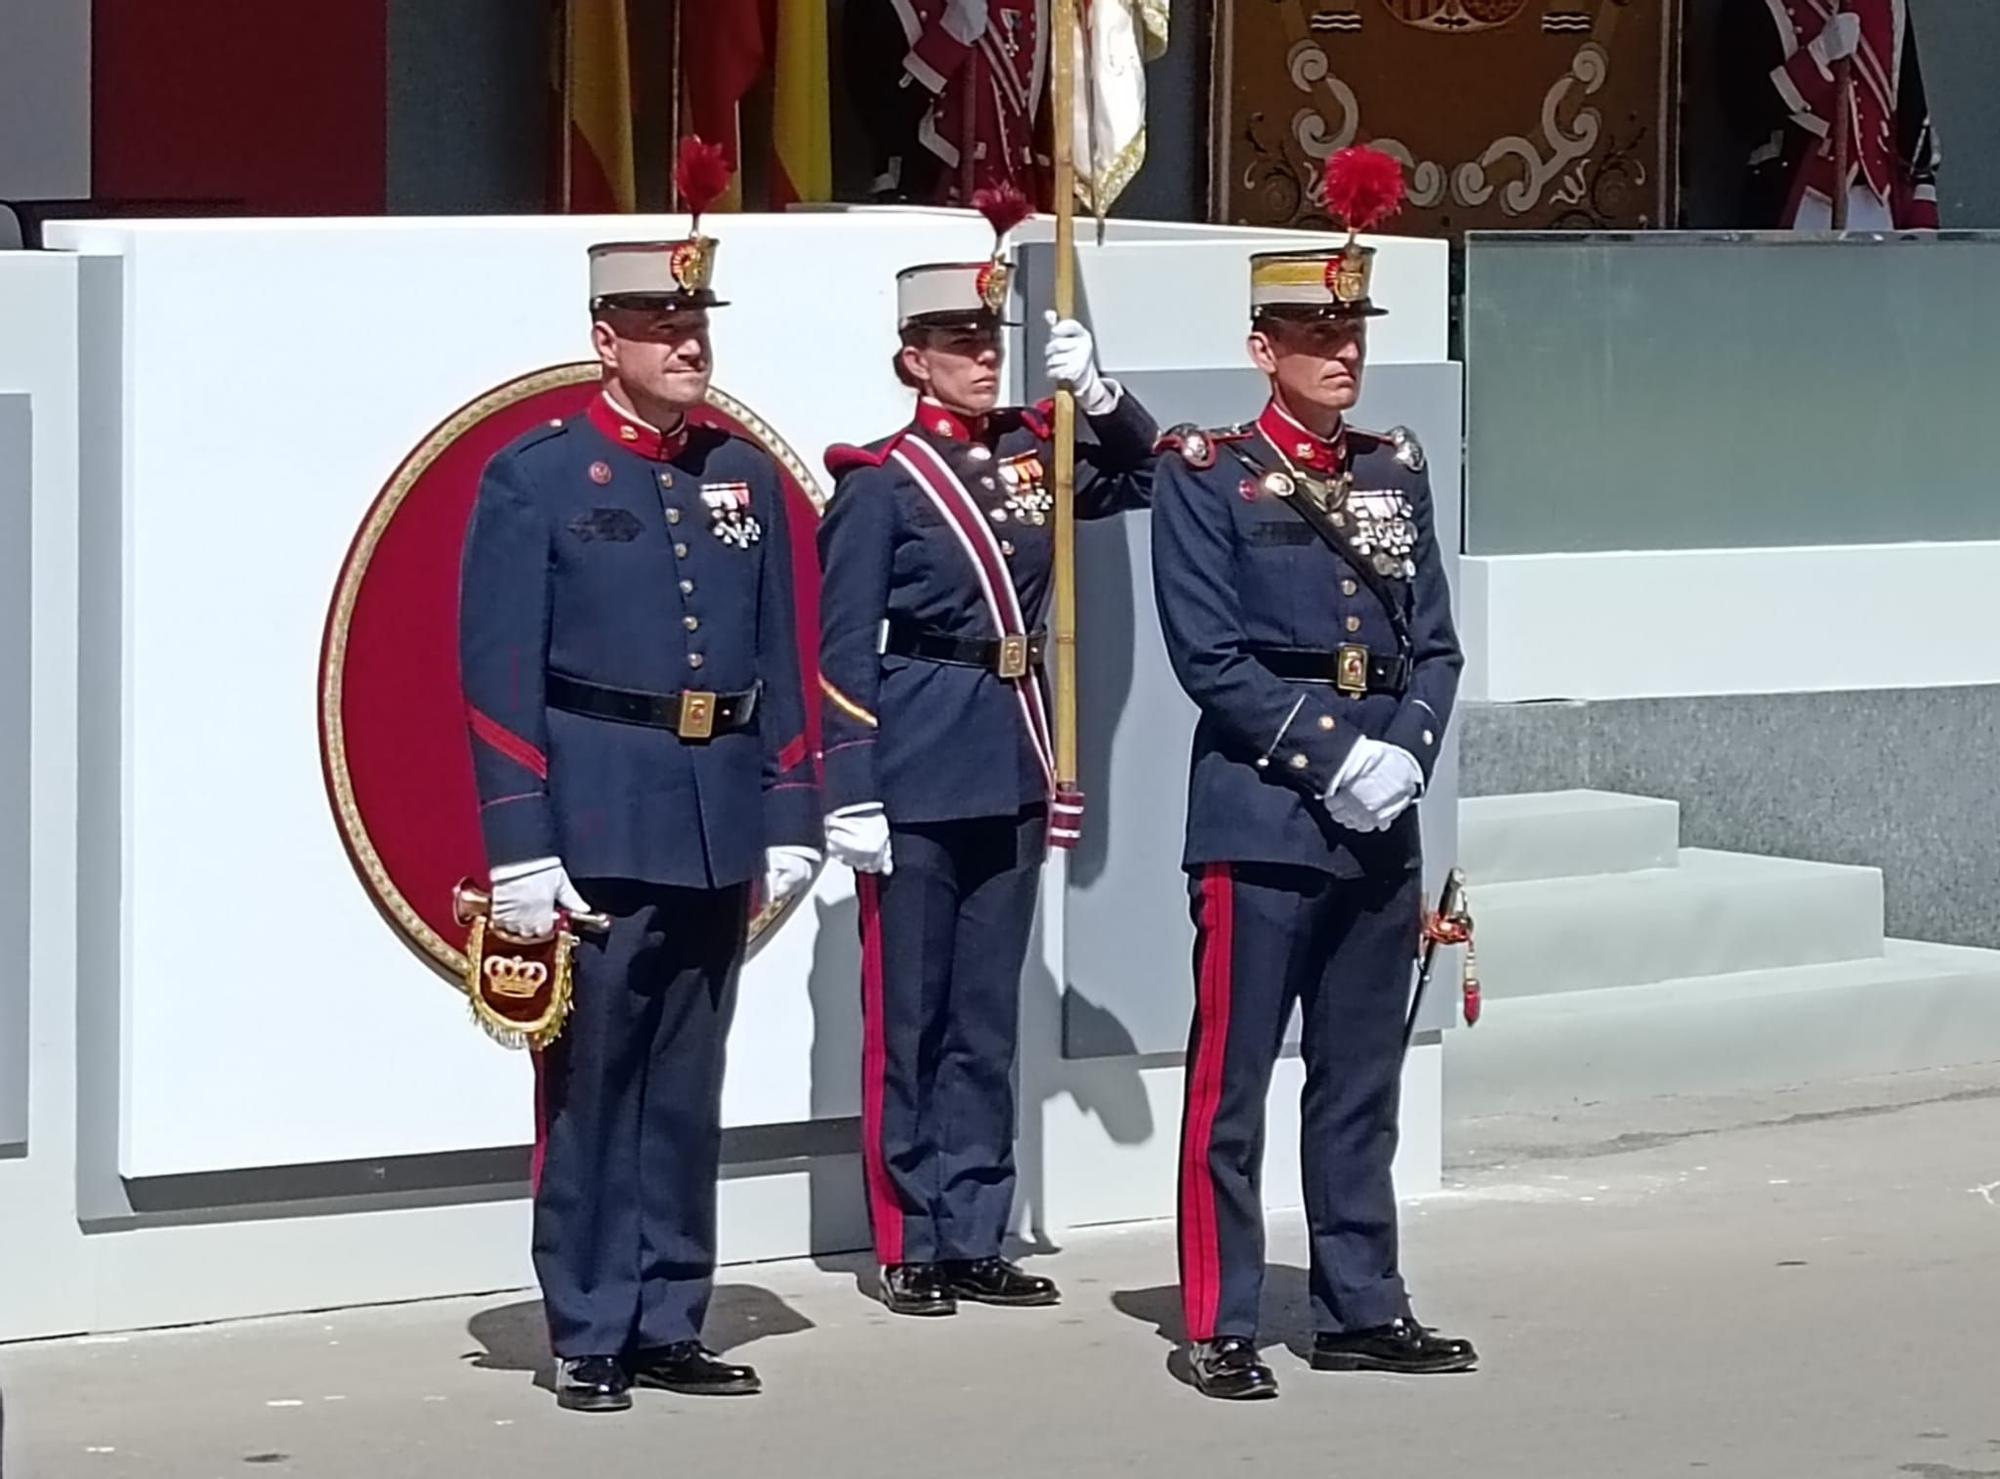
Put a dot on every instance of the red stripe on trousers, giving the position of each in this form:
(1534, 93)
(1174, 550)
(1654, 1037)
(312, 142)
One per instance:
(509, 744)
(541, 1127)
(886, 1211)
(1201, 1245)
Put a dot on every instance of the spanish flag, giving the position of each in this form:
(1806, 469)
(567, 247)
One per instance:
(727, 48)
(596, 82)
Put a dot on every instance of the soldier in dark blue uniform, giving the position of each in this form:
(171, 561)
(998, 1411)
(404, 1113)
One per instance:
(937, 557)
(1304, 603)
(632, 683)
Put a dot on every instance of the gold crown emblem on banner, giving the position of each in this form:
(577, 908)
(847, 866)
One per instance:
(693, 264)
(514, 978)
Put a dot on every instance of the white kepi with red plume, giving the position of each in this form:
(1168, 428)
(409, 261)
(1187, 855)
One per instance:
(667, 274)
(965, 292)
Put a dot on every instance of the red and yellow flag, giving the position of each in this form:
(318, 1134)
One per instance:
(596, 78)
(801, 108)
(727, 48)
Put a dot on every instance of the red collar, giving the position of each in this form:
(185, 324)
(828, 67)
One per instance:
(939, 420)
(1309, 450)
(628, 431)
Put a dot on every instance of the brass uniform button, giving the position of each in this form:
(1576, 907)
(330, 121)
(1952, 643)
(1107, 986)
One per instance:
(673, 516)
(1354, 623)
(1299, 762)
(692, 623)
(1348, 588)
(680, 551)
(687, 587)
(695, 659)
(1326, 721)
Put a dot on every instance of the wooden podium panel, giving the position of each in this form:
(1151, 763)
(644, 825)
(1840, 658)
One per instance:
(1510, 114)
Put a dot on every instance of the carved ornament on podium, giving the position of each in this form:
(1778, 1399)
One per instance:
(1507, 114)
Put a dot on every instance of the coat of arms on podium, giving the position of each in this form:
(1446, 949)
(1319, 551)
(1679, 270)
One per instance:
(1507, 114)
(393, 744)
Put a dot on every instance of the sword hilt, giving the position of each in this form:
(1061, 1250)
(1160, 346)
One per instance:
(470, 902)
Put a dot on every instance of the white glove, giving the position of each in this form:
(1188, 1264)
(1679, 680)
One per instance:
(527, 895)
(787, 871)
(964, 20)
(859, 837)
(1375, 786)
(1071, 359)
(1841, 38)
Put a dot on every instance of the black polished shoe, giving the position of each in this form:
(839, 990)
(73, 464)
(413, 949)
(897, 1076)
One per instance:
(1227, 1368)
(916, 1289)
(1401, 1346)
(593, 1384)
(996, 1281)
(693, 1369)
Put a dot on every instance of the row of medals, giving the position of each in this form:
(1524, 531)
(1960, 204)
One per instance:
(1030, 503)
(1385, 543)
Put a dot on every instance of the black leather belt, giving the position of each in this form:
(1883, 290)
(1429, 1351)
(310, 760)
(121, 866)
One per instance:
(693, 715)
(1352, 669)
(1010, 657)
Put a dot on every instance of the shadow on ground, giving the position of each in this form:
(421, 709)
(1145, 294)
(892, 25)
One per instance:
(1284, 1318)
(514, 1337)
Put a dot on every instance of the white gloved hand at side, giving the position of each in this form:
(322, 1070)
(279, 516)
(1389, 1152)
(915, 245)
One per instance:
(1071, 359)
(1840, 39)
(859, 837)
(527, 895)
(964, 20)
(1376, 784)
(787, 870)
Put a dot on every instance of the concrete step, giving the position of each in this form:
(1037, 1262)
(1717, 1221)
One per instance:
(1916, 1006)
(1715, 913)
(1562, 834)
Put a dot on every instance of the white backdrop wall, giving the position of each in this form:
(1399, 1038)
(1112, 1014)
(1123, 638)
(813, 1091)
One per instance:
(1684, 623)
(220, 494)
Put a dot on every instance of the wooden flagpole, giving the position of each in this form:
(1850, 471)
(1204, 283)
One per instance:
(1843, 131)
(1063, 56)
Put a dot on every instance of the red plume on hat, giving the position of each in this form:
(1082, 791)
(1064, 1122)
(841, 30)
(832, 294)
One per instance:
(1004, 207)
(1364, 188)
(701, 175)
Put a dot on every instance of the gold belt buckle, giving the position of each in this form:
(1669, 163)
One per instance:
(1013, 657)
(697, 721)
(1350, 670)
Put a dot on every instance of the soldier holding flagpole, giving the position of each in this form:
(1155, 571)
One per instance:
(944, 778)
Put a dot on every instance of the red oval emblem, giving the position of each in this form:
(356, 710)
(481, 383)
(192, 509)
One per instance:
(392, 713)
(600, 473)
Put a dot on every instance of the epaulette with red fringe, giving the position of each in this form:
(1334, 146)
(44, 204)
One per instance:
(842, 458)
(1196, 445)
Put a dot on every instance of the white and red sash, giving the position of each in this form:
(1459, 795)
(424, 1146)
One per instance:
(968, 524)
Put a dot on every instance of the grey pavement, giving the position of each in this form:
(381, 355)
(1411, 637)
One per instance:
(1801, 1284)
